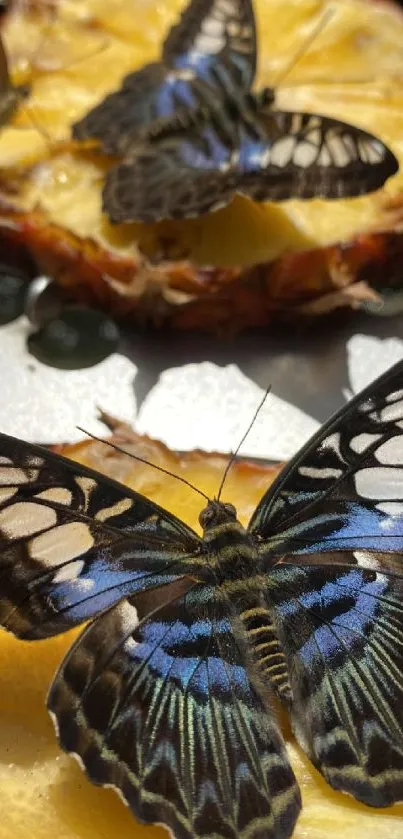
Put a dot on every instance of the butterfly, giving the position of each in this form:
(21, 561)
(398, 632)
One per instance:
(192, 135)
(211, 51)
(167, 694)
(10, 95)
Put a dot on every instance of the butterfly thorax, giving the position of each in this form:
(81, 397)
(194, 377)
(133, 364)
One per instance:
(231, 550)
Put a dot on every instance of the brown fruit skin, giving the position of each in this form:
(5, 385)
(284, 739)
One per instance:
(182, 296)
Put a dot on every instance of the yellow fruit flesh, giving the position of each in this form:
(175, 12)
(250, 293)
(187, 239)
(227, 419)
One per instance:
(44, 793)
(352, 70)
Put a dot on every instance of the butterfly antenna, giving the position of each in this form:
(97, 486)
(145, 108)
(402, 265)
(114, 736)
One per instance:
(233, 456)
(143, 460)
(322, 23)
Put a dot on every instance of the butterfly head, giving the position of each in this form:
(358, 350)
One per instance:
(216, 512)
(263, 99)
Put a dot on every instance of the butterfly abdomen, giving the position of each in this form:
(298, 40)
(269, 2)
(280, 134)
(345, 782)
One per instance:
(268, 654)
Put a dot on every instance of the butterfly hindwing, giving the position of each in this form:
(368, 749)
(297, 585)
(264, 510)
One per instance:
(210, 51)
(331, 533)
(164, 711)
(174, 179)
(342, 635)
(73, 543)
(267, 156)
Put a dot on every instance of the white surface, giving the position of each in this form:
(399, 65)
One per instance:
(210, 407)
(369, 357)
(199, 405)
(44, 405)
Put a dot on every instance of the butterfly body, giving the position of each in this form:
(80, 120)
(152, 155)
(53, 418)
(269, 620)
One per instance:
(167, 694)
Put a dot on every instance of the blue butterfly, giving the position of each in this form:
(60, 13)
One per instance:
(166, 695)
(192, 135)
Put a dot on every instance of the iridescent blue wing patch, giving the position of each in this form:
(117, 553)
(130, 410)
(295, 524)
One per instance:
(265, 155)
(162, 710)
(210, 52)
(342, 636)
(73, 543)
(330, 532)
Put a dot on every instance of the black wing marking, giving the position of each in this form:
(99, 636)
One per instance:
(198, 169)
(342, 636)
(344, 489)
(163, 711)
(73, 543)
(330, 532)
(215, 38)
(210, 52)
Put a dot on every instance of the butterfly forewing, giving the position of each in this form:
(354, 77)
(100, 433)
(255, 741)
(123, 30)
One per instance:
(164, 711)
(267, 156)
(217, 40)
(211, 52)
(73, 542)
(331, 535)
(344, 489)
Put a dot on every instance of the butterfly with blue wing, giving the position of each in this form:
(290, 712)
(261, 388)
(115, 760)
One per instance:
(211, 52)
(189, 168)
(167, 694)
(192, 135)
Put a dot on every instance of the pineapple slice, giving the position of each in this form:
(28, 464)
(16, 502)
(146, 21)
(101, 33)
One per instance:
(73, 54)
(44, 793)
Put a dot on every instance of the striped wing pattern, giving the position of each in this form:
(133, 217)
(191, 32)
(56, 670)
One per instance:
(342, 631)
(166, 695)
(163, 710)
(266, 155)
(73, 544)
(333, 523)
(210, 52)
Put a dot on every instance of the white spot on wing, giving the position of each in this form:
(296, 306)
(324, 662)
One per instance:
(61, 544)
(304, 154)
(282, 151)
(324, 158)
(361, 442)
(214, 27)
(24, 518)
(69, 572)
(333, 442)
(392, 412)
(366, 560)
(16, 477)
(391, 508)
(115, 509)
(311, 472)
(128, 617)
(390, 453)
(59, 495)
(380, 482)
(393, 397)
(338, 150)
(208, 45)
(6, 493)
